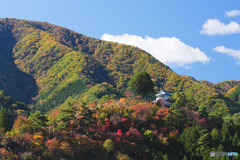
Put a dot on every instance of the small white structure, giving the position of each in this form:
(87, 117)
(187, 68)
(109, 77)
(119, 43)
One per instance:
(164, 95)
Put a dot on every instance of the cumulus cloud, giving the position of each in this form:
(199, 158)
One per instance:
(233, 13)
(231, 52)
(215, 27)
(170, 51)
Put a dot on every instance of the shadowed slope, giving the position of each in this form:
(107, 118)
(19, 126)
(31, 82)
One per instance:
(16, 83)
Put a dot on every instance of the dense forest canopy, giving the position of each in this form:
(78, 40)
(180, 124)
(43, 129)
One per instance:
(123, 129)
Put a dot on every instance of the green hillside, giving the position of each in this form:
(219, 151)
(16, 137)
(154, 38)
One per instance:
(48, 64)
(226, 86)
(234, 93)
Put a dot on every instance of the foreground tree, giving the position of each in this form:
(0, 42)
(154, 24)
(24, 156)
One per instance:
(141, 84)
(195, 142)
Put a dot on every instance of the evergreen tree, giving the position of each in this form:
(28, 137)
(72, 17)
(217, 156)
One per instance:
(2, 94)
(238, 145)
(4, 120)
(203, 149)
(141, 84)
(180, 100)
(215, 137)
(194, 141)
(230, 139)
(223, 139)
(203, 111)
(165, 157)
(220, 148)
(64, 118)
(37, 121)
(185, 158)
(229, 143)
(225, 131)
(235, 140)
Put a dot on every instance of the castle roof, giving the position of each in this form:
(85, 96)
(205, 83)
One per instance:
(163, 93)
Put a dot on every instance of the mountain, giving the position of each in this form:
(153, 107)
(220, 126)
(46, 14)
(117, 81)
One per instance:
(47, 65)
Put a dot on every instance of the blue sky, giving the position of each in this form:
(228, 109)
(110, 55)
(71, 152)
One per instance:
(198, 38)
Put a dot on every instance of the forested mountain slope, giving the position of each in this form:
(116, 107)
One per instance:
(226, 86)
(49, 64)
(234, 93)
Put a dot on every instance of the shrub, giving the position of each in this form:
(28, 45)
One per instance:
(108, 145)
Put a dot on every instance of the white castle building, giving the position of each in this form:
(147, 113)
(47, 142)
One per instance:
(163, 95)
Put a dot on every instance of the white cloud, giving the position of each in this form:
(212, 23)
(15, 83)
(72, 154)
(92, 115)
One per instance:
(233, 13)
(231, 52)
(170, 51)
(215, 27)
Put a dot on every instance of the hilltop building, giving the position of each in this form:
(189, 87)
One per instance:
(163, 97)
